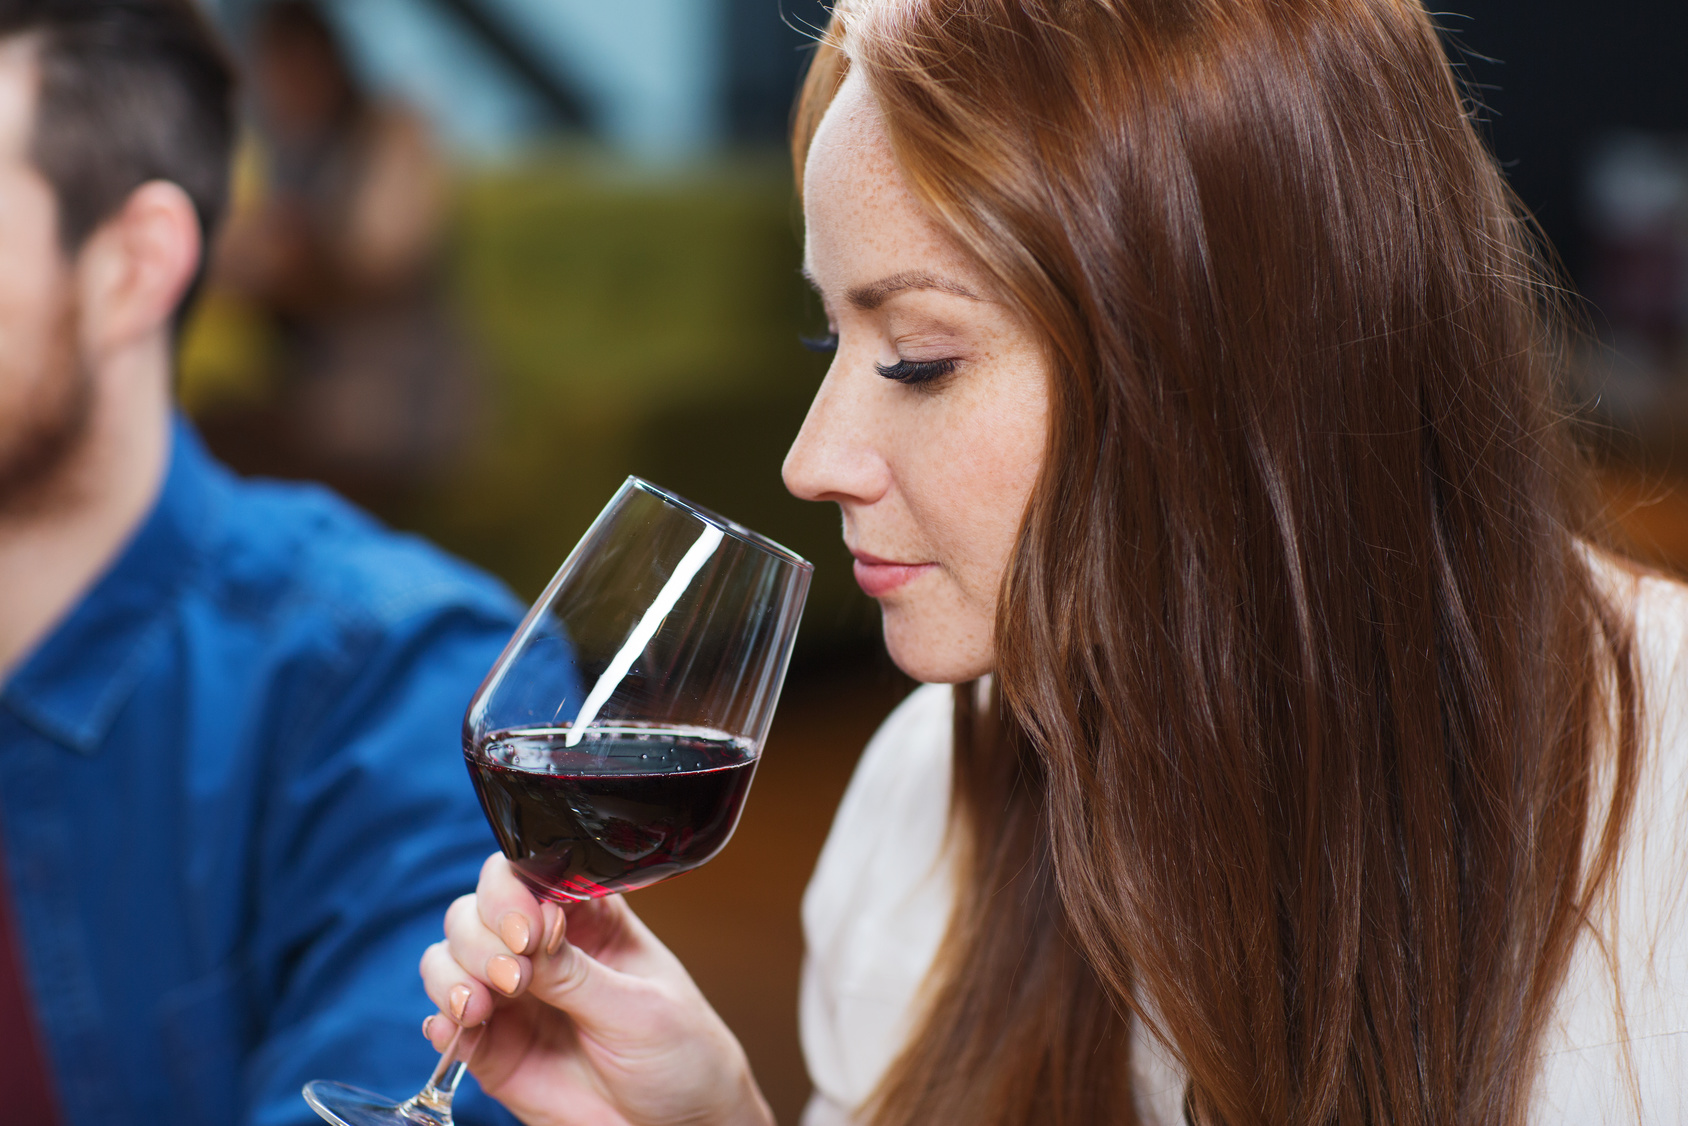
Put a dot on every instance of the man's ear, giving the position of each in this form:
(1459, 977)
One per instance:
(135, 268)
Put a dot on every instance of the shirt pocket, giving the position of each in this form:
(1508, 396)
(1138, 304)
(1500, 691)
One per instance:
(205, 1031)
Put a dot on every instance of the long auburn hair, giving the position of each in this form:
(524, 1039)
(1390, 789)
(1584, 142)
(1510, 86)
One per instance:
(1313, 734)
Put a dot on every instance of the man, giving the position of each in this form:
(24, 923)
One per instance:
(232, 808)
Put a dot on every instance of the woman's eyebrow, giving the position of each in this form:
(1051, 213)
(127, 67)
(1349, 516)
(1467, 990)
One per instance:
(874, 294)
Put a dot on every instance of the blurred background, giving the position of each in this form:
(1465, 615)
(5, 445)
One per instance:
(489, 257)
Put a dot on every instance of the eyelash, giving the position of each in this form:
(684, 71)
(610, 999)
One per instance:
(908, 372)
(915, 372)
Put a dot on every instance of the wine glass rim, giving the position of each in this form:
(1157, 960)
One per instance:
(730, 527)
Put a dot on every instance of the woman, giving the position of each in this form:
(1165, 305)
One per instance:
(1191, 413)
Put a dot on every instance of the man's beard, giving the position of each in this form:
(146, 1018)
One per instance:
(38, 446)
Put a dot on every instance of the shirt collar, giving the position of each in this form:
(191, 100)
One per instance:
(75, 683)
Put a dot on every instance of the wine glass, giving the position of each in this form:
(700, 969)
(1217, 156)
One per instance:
(614, 740)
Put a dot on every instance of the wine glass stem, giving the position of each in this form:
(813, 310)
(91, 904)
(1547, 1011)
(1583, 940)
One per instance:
(433, 1102)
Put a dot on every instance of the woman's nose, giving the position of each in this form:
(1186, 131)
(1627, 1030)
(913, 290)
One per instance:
(836, 455)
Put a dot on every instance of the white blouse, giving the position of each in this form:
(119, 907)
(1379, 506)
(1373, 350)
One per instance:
(879, 901)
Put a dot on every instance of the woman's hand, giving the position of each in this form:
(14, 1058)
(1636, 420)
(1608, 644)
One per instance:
(596, 1022)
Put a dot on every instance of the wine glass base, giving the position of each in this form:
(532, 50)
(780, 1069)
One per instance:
(353, 1106)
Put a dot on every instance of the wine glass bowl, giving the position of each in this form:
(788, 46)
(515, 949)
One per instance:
(625, 808)
(614, 740)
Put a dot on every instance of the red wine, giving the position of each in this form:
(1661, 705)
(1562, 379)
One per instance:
(622, 809)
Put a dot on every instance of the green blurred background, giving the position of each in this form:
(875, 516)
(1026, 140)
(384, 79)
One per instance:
(624, 322)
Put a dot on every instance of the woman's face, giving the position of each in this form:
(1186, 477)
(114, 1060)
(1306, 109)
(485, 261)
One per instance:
(930, 426)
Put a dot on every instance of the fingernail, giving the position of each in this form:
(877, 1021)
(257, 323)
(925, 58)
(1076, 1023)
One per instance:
(460, 995)
(427, 1028)
(554, 940)
(513, 928)
(505, 973)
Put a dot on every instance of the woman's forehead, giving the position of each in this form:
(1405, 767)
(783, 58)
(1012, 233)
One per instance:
(864, 223)
(851, 185)
(851, 140)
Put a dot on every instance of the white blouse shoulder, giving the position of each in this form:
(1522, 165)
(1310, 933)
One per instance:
(877, 905)
(1617, 1051)
(880, 898)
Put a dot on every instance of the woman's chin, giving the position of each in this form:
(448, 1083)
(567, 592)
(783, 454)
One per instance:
(936, 652)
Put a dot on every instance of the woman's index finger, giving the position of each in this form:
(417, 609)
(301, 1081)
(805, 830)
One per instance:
(507, 908)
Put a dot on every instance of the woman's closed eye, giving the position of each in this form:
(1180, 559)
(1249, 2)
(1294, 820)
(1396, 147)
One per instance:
(911, 372)
(915, 372)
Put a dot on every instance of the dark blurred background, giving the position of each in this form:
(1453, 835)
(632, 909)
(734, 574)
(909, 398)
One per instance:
(491, 256)
(1586, 105)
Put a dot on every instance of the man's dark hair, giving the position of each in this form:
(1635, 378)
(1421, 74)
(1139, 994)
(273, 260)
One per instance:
(131, 91)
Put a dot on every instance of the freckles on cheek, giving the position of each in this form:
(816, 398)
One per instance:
(986, 494)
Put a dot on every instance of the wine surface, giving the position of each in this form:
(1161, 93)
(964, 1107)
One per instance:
(622, 809)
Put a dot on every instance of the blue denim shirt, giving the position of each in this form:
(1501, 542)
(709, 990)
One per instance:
(234, 809)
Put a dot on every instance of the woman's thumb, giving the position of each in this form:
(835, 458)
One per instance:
(577, 983)
(597, 996)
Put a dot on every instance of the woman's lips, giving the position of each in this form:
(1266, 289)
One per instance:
(879, 577)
